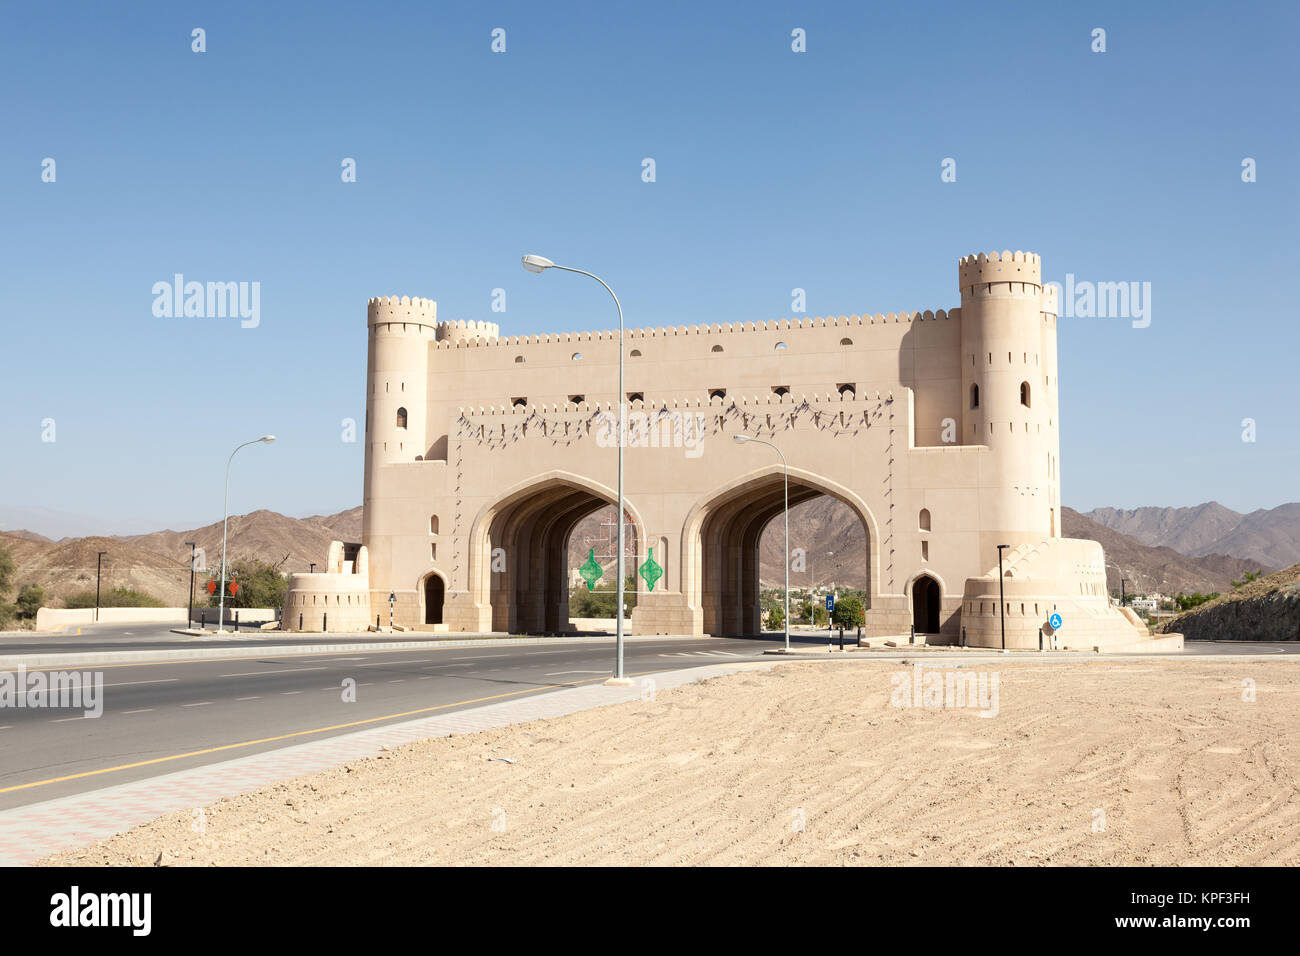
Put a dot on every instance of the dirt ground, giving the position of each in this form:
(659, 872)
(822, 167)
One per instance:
(1083, 763)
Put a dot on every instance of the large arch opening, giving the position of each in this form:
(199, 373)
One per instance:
(925, 605)
(521, 557)
(736, 556)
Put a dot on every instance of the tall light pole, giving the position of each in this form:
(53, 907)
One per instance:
(1002, 602)
(221, 612)
(539, 264)
(786, 468)
(189, 621)
(99, 566)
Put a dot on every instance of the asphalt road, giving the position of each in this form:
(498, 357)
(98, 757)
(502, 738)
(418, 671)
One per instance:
(131, 637)
(166, 709)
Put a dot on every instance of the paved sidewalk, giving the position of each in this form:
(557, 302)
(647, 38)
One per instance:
(31, 832)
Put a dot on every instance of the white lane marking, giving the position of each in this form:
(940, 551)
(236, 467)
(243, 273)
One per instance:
(202, 703)
(399, 681)
(425, 677)
(558, 673)
(142, 711)
(287, 670)
(289, 693)
(128, 683)
(423, 660)
(248, 698)
(64, 720)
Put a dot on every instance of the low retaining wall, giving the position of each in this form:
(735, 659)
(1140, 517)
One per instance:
(56, 619)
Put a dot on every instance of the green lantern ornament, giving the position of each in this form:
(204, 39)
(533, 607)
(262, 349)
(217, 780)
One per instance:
(590, 570)
(651, 572)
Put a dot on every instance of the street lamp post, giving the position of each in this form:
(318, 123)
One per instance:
(189, 620)
(1002, 602)
(225, 519)
(539, 264)
(99, 566)
(1123, 596)
(786, 468)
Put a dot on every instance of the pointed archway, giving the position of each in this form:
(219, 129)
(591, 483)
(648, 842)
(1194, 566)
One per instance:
(720, 545)
(925, 604)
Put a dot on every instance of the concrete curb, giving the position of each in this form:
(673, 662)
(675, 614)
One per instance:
(73, 658)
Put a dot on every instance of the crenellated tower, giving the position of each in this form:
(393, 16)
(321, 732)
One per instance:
(401, 331)
(1009, 392)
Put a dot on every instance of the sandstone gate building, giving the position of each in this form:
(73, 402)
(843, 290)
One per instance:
(940, 430)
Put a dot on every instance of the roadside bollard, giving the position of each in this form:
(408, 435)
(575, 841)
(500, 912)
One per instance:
(912, 637)
(963, 635)
(324, 622)
(300, 621)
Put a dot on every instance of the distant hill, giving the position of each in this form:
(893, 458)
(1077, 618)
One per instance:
(158, 562)
(291, 543)
(1270, 537)
(1267, 609)
(1156, 569)
(64, 567)
(825, 524)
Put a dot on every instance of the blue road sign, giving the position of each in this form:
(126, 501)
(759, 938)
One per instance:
(1055, 621)
(830, 602)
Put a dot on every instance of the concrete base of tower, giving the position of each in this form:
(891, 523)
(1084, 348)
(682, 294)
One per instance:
(666, 612)
(1052, 595)
(462, 614)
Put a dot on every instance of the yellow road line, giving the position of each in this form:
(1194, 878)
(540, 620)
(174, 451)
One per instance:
(297, 733)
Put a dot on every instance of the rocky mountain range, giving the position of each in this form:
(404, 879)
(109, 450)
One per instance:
(1268, 536)
(1166, 549)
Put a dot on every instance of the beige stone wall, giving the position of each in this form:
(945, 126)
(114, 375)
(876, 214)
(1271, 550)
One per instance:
(501, 442)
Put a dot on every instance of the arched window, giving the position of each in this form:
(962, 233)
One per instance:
(1024, 394)
(716, 348)
(519, 359)
(925, 519)
(847, 390)
(846, 341)
(714, 393)
(635, 353)
(635, 397)
(433, 524)
(779, 346)
(401, 418)
(780, 389)
(575, 356)
(974, 396)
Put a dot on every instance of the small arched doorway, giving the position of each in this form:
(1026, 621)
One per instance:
(433, 593)
(925, 605)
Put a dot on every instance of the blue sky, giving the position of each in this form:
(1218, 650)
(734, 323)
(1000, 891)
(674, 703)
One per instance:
(775, 170)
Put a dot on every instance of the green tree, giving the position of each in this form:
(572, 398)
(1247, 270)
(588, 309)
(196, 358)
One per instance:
(6, 570)
(776, 615)
(1186, 602)
(30, 600)
(849, 611)
(113, 597)
(261, 584)
(6, 579)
